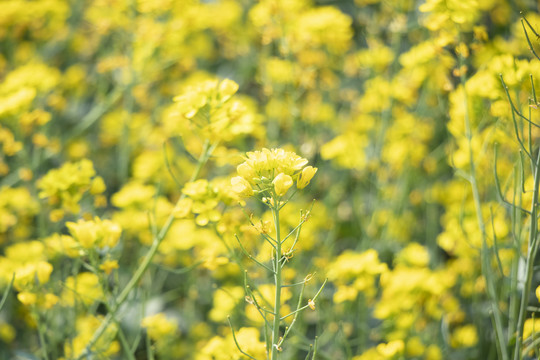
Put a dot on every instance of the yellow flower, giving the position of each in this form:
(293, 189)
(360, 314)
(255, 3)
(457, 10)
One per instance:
(84, 288)
(241, 186)
(97, 186)
(183, 208)
(108, 266)
(464, 336)
(49, 301)
(391, 349)
(84, 231)
(282, 183)
(246, 171)
(158, 326)
(305, 176)
(227, 88)
(26, 276)
(261, 167)
(7, 332)
(27, 298)
(109, 232)
(97, 232)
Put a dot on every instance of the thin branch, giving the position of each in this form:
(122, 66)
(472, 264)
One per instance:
(515, 111)
(306, 306)
(266, 237)
(251, 257)
(252, 298)
(527, 36)
(498, 187)
(6, 293)
(236, 341)
(169, 167)
(288, 329)
(495, 246)
(296, 284)
(314, 348)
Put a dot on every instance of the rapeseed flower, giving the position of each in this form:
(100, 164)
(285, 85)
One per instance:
(159, 326)
(273, 170)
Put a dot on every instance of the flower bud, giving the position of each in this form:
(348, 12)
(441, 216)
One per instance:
(305, 177)
(282, 183)
(227, 88)
(241, 186)
(245, 171)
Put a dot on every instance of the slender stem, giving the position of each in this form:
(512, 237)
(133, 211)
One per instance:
(288, 328)
(6, 293)
(149, 349)
(41, 334)
(251, 257)
(125, 345)
(314, 349)
(531, 254)
(277, 278)
(236, 341)
(207, 151)
(485, 251)
(306, 306)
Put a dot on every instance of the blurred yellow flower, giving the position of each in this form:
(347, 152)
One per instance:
(159, 326)
(305, 176)
(282, 183)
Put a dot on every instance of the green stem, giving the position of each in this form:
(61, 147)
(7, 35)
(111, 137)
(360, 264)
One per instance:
(41, 334)
(278, 280)
(531, 255)
(485, 251)
(207, 151)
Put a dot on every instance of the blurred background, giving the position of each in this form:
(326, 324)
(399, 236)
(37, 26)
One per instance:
(398, 103)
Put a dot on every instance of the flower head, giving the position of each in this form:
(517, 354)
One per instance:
(276, 169)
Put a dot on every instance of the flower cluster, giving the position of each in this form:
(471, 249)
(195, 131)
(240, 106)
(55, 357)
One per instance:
(211, 112)
(64, 187)
(271, 172)
(95, 233)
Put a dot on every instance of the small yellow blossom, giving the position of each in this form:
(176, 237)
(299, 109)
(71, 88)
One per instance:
(95, 233)
(7, 332)
(183, 208)
(159, 326)
(241, 186)
(282, 183)
(84, 288)
(391, 349)
(108, 266)
(27, 298)
(85, 232)
(49, 300)
(464, 336)
(305, 176)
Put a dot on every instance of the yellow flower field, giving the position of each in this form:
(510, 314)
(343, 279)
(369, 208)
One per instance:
(270, 179)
